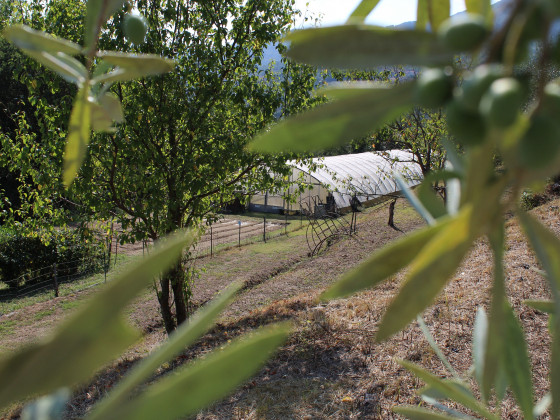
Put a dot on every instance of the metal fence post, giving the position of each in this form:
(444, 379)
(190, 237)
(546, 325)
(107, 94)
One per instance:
(211, 242)
(264, 229)
(55, 279)
(116, 252)
(239, 240)
(285, 224)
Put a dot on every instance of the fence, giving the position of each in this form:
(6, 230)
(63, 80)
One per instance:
(229, 233)
(62, 279)
(57, 279)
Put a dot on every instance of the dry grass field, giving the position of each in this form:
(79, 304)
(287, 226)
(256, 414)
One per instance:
(331, 366)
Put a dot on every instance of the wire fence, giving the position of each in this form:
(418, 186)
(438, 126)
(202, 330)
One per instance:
(54, 280)
(230, 233)
(68, 277)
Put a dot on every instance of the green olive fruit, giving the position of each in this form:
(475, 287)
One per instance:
(463, 33)
(477, 83)
(501, 103)
(541, 143)
(135, 27)
(468, 127)
(550, 105)
(433, 88)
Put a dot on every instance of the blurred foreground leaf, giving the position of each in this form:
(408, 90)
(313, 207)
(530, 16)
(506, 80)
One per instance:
(417, 413)
(479, 342)
(185, 335)
(50, 407)
(78, 137)
(197, 385)
(359, 111)
(362, 11)
(138, 65)
(365, 47)
(430, 270)
(29, 39)
(517, 363)
(493, 370)
(546, 306)
(107, 111)
(384, 263)
(90, 338)
(450, 390)
(547, 248)
(439, 11)
(66, 66)
(98, 11)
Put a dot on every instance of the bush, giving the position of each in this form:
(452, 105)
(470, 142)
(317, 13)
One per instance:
(21, 256)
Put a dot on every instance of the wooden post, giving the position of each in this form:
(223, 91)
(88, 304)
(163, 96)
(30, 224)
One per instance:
(392, 213)
(55, 280)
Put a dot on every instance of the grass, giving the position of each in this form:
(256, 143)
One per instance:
(7, 328)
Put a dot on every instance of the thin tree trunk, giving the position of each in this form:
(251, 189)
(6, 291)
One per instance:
(163, 298)
(177, 275)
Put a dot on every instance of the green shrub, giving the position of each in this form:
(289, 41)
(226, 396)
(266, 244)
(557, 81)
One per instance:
(24, 260)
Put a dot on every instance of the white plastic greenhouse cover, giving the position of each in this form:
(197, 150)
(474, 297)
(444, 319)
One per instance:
(366, 175)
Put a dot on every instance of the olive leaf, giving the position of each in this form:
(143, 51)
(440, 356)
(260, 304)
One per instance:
(438, 12)
(450, 390)
(429, 272)
(89, 339)
(66, 66)
(29, 39)
(105, 111)
(97, 13)
(78, 137)
(517, 363)
(138, 64)
(547, 248)
(358, 111)
(384, 263)
(422, 17)
(362, 11)
(417, 413)
(185, 335)
(188, 390)
(365, 47)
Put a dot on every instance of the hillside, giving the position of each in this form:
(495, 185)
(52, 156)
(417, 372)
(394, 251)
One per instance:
(331, 367)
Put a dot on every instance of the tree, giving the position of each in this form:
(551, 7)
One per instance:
(34, 111)
(180, 151)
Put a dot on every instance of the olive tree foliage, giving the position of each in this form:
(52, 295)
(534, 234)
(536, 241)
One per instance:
(179, 153)
(488, 114)
(97, 333)
(34, 110)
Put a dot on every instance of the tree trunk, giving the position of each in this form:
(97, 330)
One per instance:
(177, 275)
(163, 298)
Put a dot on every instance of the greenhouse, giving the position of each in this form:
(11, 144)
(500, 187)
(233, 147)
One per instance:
(335, 184)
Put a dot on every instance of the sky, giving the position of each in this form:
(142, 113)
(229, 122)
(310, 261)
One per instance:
(387, 12)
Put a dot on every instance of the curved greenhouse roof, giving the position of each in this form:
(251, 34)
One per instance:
(364, 175)
(367, 176)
